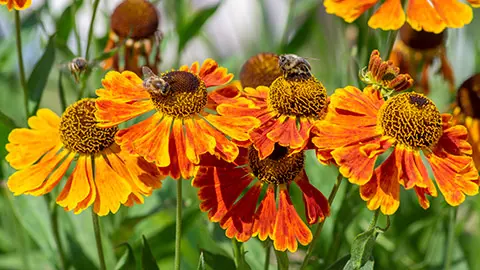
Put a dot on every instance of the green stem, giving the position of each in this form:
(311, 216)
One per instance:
(284, 41)
(178, 225)
(56, 233)
(75, 31)
(390, 42)
(238, 253)
(267, 256)
(331, 197)
(451, 238)
(98, 239)
(374, 219)
(23, 80)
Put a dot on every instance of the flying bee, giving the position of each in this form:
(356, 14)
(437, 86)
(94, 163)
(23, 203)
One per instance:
(154, 83)
(77, 66)
(293, 65)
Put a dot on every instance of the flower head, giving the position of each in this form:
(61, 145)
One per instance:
(467, 113)
(260, 69)
(185, 123)
(16, 4)
(222, 184)
(287, 109)
(135, 24)
(104, 175)
(360, 126)
(416, 49)
(431, 16)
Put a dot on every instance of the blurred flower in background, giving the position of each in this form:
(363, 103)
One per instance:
(16, 4)
(103, 176)
(431, 16)
(260, 69)
(416, 50)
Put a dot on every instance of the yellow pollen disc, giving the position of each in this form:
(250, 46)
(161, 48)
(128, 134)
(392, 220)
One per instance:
(79, 132)
(186, 94)
(298, 96)
(412, 119)
(278, 168)
(260, 69)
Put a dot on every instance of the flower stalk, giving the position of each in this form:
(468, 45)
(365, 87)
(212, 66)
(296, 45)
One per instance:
(98, 239)
(21, 67)
(178, 225)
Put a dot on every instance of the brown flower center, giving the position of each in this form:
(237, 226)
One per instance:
(136, 19)
(468, 97)
(420, 40)
(278, 168)
(185, 95)
(79, 132)
(412, 119)
(298, 96)
(260, 69)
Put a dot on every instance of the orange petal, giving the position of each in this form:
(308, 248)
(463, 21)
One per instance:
(383, 189)
(239, 219)
(214, 75)
(454, 140)
(265, 215)
(92, 195)
(412, 171)
(113, 112)
(474, 3)
(225, 94)
(349, 10)
(197, 142)
(389, 16)
(31, 178)
(112, 189)
(234, 127)
(289, 227)
(421, 15)
(316, 205)
(124, 86)
(421, 192)
(78, 186)
(454, 13)
(286, 133)
(26, 146)
(259, 138)
(224, 148)
(219, 188)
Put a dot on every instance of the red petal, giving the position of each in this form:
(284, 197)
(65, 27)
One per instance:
(316, 205)
(265, 215)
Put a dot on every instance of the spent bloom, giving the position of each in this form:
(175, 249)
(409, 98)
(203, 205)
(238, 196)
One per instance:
(103, 174)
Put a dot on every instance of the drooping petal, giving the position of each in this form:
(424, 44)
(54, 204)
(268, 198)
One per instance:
(78, 186)
(316, 205)
(383, 189)
(421, 192)
(26, 146)
(236, 128)
(197, 142)
(289, 227)
(286, 132)
(349, 10)
(259, 138)
(421, 15)
(92, 195)
(239, 219)
(389, 16)
(412, 171)
(224, 148)
(113, 112)
(454, 13)
(266, 215)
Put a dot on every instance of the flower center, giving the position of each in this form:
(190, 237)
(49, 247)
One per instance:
(278, 168)
(298, 96)
(260, 69)
(79, 132)
(136, 19)
(185, 95)
(468, 97)
(412, 119)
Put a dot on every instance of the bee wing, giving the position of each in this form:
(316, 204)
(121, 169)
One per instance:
(147, 72)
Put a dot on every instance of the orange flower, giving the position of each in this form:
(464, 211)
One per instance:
(16, 4)
(287, 109)
(103, 175)
(360, 126)
(222, 184)
(431, 16)
(185, 123)
(467, 113)
(417, 49)
(135, 24)
(260, 69)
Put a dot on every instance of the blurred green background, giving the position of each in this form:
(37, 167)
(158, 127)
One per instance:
(230, 32)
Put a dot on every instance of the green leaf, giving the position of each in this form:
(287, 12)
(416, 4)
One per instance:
(61, 91)
(217, 261)
(282, 260)
(339, 264)
(362, 248)
(201, 262)
(66, 22)
(191, 29)
(148, 261)
(303, 32)
(127, 261)
(39, 77)
(7, 121)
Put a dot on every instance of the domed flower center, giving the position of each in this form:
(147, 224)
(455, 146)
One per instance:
(298, 96)
(468, 97)
(184, 94)
(412, 119)
(260, 69)
(79, 132)
(136, 19)
(278, 168)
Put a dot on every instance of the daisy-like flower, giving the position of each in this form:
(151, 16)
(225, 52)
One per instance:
(103, 175)
(287, 109)
(134, 23)
(260, 69)
(222, 184)
(467, 113)
(184, 124)
(16, 4)
(431, 16)
(361, 125)
(416, 49)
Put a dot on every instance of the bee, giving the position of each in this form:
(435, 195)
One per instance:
(154, 83)
(77, 66)
(294, 65)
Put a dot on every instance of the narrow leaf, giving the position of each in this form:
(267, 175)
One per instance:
(191, 29)
(39, 77)
(127, 261)
(148, 261)
(201, 262)
(217, 261)
(282, 260)
(61, 91)
(303, 32)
